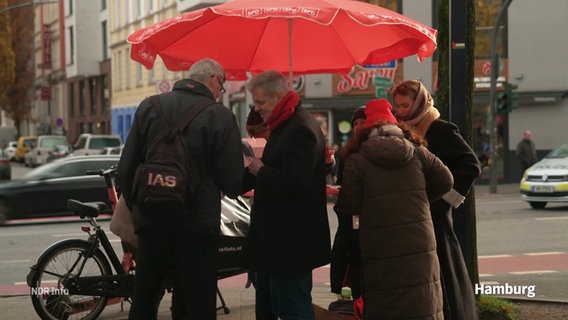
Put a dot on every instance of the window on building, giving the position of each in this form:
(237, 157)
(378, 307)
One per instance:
(116, 15)
(103, 5)
(105, 40)
(68, 9)
(118, 71)
(151, 76)
(92, 95)
(138, 8)
(104, 92)
(138, 75)
(127, 63)
(72, 98)
(81, 98)
(70, 48)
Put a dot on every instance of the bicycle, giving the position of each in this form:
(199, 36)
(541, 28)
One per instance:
(74, 277)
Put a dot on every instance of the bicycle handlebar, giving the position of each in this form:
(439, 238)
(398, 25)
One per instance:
(104, 172)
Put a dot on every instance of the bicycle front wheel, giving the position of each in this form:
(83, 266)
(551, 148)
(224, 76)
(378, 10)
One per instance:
(67, 260)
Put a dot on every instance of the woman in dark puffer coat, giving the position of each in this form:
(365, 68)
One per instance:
(389, 179)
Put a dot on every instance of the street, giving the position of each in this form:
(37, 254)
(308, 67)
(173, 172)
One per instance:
(517, 245)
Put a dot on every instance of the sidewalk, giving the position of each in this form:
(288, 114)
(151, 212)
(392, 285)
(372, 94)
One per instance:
(239, 301)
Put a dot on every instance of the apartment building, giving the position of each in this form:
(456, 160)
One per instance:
(73, 69)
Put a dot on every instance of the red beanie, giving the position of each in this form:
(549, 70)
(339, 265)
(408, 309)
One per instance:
(378, 110)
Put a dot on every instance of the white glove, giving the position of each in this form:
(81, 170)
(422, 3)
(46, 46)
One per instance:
(454, 198)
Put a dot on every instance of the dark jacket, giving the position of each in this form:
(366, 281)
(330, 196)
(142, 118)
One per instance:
(289, 232)
(389, 187)
(526, 152)
(445, 141)
(214, 148)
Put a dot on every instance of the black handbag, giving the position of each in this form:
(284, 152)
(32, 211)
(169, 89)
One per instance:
(342, 306)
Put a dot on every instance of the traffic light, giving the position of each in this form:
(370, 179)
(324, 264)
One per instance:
(501, 103)
(511, 96)
(507, 99)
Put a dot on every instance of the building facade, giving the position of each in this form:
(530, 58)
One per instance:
(92, 84)
(73, 69)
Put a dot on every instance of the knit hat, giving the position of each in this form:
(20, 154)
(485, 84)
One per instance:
(358, 113)
(378, 110)
(255, 125)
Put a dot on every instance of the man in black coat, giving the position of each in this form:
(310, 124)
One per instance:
(184, 244)
(289, 232)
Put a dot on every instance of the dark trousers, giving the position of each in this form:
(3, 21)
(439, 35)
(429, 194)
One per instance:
(291, 297)
(262, 307)
(190, 260)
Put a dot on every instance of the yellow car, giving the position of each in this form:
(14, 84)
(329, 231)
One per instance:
(25, 144)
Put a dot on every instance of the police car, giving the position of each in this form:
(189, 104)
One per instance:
(547, 180)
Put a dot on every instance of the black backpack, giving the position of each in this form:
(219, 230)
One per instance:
(162, 181)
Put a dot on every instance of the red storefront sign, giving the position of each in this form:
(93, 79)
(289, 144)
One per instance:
(45, 93)
(45, 47)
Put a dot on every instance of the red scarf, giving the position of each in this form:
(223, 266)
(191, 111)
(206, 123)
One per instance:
(284, 109)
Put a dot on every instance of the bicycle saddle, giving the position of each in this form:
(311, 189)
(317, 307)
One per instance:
(86, 209)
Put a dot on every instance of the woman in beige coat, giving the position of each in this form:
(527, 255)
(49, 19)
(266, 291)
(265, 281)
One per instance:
(388, 180)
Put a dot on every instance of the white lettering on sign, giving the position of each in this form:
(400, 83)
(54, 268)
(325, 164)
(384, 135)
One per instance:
(360, 79)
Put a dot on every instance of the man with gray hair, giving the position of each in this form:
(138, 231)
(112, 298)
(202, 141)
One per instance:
(184, 244)
(289, 232)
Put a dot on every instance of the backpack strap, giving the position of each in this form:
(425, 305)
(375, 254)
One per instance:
(193, 111)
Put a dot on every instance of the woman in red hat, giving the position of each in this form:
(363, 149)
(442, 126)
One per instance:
(385, 182)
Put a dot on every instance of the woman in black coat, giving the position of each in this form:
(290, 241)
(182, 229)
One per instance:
(414, 106)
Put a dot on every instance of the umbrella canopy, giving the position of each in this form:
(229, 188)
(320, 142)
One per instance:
(299, 36)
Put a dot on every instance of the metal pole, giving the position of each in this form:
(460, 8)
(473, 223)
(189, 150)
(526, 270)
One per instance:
(492, 95)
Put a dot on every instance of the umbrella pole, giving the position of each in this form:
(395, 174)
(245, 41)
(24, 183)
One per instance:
(290, 72)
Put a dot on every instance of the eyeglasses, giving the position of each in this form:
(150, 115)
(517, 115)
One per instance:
(221, 83)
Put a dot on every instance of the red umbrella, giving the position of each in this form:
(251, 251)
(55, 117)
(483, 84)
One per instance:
(299, 36)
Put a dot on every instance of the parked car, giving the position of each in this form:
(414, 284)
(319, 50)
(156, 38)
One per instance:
(10, 150)
(44, 150)
(43, 192)
(25, 144)
(91, 144)
(547, 180)
(5, 166)
(113, 150)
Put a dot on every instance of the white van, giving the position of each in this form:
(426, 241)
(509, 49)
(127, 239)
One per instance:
(95, 144)
(40, 152)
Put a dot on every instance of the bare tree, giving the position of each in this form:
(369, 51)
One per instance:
(7, 62)
(17, 100)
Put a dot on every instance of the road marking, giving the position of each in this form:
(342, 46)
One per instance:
(495, 256)
(16, 261)
(543, 253)
(533, 272)
(551, 218)
(486, 275)
(63, 235)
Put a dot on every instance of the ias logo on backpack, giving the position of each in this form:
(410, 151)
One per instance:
(156, 179)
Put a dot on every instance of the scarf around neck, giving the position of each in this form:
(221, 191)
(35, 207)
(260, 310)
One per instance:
(284, 109)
